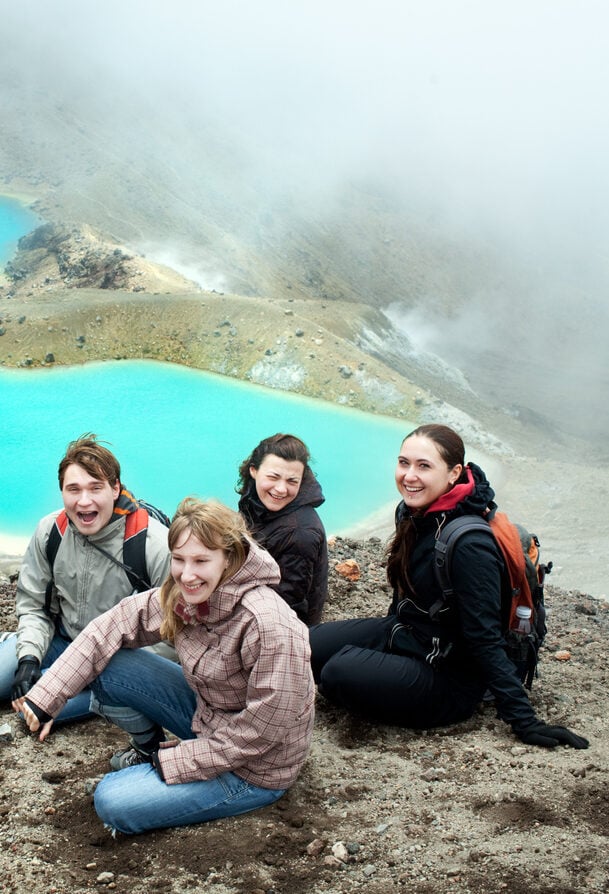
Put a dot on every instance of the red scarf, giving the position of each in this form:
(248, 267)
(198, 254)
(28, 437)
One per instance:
(453, 496)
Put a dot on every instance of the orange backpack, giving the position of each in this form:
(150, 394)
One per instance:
(523, 584)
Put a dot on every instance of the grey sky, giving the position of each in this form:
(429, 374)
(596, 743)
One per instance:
(489, 109)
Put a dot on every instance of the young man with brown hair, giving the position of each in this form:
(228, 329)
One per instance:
(60, 590)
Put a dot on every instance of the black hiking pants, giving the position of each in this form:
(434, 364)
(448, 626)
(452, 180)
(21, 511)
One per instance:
(354, 670)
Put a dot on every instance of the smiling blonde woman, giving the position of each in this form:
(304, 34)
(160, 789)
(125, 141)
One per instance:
(241, 702)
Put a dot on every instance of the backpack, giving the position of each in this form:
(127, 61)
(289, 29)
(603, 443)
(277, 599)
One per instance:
(134, 543)
(523, 583)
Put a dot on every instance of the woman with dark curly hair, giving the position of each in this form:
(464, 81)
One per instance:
(279, 498)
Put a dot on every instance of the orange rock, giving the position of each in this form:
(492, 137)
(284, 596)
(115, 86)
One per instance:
(562, 655)
(348, 569)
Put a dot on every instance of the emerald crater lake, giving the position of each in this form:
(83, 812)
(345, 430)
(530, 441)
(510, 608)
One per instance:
(16, 220)
(178, 432)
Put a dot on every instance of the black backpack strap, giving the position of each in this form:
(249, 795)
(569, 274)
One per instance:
(53, 543)
(446, 540)
(134, 549)
(137, 515)
(138, 581)
(134, 552)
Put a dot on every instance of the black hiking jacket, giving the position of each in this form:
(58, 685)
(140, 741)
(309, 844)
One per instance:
(296, 538)
(465, 638)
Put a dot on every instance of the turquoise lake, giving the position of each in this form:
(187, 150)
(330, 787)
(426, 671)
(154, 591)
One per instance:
(15, 221)
(175, 431)
(178, 431)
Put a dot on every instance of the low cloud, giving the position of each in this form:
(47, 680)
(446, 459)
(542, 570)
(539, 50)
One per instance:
(486, 122)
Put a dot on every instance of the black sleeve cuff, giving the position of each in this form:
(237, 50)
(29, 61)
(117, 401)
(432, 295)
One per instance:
(29, 659)
(154, 760)
(42, 716)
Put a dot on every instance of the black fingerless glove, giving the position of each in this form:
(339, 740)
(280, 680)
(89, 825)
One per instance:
(28, 673)
(154, 760)
(42, 716)
(545, 736)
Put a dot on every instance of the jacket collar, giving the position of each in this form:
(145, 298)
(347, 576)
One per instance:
(258, 570)
(454, 496)
(126, 504)
(310, 494)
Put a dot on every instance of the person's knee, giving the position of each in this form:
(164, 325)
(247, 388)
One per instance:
(325, 644)
(336, 673)
(106, 802)
(123, 668)
(103, 799)
(8, 665)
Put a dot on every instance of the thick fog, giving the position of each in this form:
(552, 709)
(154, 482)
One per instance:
(486, 121)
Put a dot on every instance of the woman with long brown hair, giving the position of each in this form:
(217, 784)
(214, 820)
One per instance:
(420, 667)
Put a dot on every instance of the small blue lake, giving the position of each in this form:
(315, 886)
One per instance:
(16, 220)
(178, 431)
(175, 431)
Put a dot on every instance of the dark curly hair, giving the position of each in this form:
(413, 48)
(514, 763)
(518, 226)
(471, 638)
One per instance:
(287, 447)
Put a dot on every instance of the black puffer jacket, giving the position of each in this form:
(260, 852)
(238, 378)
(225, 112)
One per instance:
(296, 539)
(465, 638)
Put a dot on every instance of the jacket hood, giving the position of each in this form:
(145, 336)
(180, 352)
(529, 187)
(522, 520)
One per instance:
(477, 499)
(126, 504)
(259, 570)
(310, 494)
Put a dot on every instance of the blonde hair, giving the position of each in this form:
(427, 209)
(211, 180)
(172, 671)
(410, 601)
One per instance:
(216, 527)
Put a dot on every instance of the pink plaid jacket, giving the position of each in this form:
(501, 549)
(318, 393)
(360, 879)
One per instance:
(248, 663)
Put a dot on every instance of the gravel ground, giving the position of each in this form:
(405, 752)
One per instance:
(466, 808)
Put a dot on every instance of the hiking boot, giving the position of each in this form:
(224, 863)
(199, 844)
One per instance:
(128, 757)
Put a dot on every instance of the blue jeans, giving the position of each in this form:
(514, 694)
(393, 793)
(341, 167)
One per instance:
(77, 708)
(136, 799)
